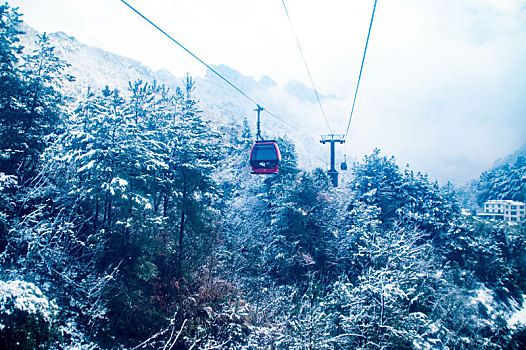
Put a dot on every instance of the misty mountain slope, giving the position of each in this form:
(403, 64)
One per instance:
(417, 134)
(92, 67)
(512, 158)
(95, 68)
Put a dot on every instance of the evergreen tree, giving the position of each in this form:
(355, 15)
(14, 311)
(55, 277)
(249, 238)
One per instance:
(31, 104)
(378, 182)
(507, 181)
(11, 86)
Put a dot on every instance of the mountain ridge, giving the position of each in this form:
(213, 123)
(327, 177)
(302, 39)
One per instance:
(96, 68)
(294, 103)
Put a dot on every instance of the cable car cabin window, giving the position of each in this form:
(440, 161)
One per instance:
(264, 153)
(265, 157)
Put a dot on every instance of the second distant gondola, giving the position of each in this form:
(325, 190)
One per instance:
(265, 157)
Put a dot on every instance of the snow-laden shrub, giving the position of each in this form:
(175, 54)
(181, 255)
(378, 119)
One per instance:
(7, 181)
(25, 296)
(26, 316)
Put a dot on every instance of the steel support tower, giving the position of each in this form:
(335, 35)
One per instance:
(332, 139)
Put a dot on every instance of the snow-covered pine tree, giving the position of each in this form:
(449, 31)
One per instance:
(507, 181)
(11, 88)
(377, 181)
(31, 129)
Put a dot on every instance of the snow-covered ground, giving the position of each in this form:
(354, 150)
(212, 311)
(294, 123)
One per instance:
(519, 316)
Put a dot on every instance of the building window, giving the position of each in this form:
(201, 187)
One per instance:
(513, 207)
(514, 219)
(513, 212)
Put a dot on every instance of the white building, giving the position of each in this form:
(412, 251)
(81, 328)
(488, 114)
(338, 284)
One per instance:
(506, 210)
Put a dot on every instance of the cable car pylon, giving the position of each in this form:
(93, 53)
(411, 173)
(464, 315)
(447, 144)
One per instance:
(333, 139)
(258, 135)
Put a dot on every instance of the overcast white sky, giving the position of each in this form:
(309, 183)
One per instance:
(445, 76)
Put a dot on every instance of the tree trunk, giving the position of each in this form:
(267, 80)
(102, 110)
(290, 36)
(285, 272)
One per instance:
(181, 237)
(182, 228)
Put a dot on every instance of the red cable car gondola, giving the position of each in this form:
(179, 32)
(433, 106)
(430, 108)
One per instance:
(265, 157)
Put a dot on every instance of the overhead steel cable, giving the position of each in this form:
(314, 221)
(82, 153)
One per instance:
(306, 66)
(361, 69)
(203, 63)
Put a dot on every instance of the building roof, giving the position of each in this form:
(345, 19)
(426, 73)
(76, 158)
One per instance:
(502, 201)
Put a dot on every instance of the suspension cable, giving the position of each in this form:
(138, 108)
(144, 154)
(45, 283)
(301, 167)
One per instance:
(306, 67)
(203, 63)
(361, 69)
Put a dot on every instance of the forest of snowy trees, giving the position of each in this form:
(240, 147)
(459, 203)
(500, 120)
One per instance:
(128, 220)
